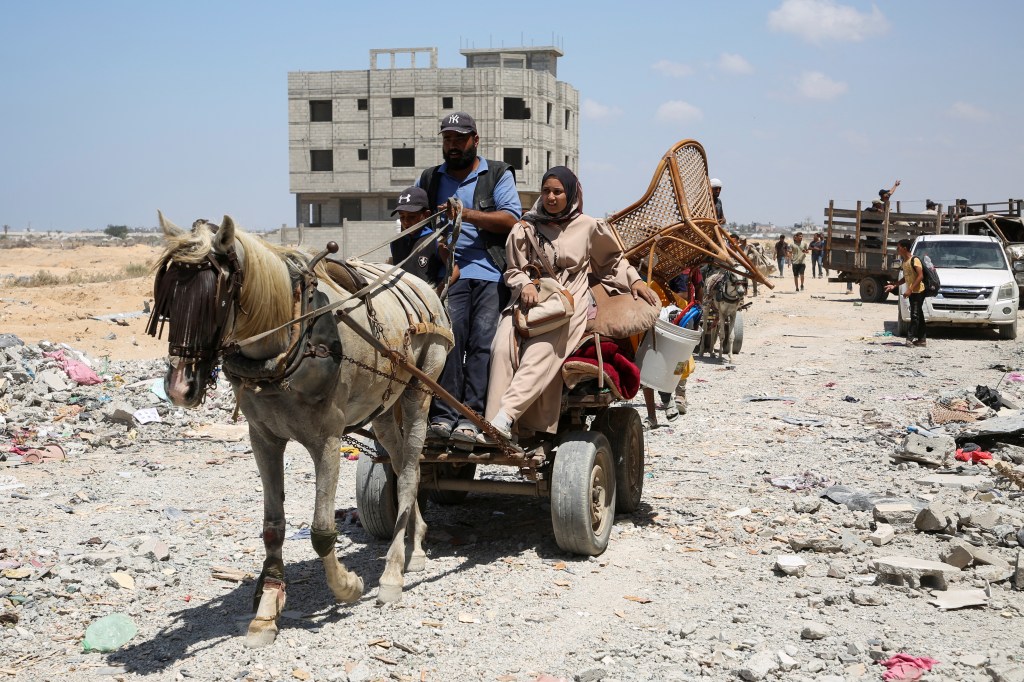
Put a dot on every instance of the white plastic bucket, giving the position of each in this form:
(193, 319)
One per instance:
(663, 361)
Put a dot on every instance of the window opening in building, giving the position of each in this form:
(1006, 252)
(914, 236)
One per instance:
(403, 158)
(447, 102)
(403, 106)
(566, 164)
(392, 204)
(315, 212)
(551, 108)
(361, 104)
(351, 209)
(319, 110)
(364, 154)
(515, 108)
(567, 113)
(321, 160)
(513, 156)
(548, 164)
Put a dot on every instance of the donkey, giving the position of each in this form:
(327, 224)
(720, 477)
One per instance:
(230, 297)
(724, 292)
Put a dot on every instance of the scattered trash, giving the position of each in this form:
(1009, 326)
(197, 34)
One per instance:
(146, 415)
(109, 633)
(77, 371)
(10, 483)
(47, 453)
(804, 481)
(1014, 377)
(906, 667)
(851, 399)
(885, 333)
(766, 398)
(301, 534)
(803, 421)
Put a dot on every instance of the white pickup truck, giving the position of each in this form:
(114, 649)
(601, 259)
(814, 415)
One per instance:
(978, 288)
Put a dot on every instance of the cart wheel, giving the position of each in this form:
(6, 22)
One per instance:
(377, 496)
(872, 290)
(737, 333)
(583, 493)
(464, 472)
(624, 430)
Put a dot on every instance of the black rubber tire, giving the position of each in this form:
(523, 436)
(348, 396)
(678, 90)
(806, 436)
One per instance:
(583, 493)
(902, 325)
(737, 334)
(465, 472)
(376, 497)
(624, 429)
(872, 290)
(1008, 332)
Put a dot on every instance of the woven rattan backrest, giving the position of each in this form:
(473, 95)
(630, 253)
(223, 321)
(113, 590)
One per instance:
(678, 204)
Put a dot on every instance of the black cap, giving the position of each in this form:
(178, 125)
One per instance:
(459, 122)
(411, 199)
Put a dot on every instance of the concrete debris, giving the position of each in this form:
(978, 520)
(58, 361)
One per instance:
(814, 631)
(867, 596)
(895, 513)
(882, 535)
(935, 518)
(790, 564)
(806, 505)
(913, 572)
(950, 600)
(937, 450)
(967, 482)
(963, 554)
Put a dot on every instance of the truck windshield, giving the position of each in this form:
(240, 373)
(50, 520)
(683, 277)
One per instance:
(963, 255)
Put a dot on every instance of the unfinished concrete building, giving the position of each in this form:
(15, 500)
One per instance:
(356, 138)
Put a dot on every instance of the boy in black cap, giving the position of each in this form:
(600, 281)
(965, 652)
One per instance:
(426, 264)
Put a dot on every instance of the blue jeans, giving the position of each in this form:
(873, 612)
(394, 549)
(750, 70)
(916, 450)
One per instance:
(474, 306)
(816, 268)
(782, 266)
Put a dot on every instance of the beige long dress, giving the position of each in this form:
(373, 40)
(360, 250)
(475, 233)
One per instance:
(531, 394)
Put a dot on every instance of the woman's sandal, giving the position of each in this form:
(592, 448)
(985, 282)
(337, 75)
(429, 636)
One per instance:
(440, 430)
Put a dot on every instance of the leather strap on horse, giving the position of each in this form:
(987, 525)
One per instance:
(359, 295)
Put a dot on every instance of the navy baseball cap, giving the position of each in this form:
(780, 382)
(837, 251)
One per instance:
(411, 199)
(459, 122)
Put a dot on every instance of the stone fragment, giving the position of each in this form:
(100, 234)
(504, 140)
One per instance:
(121, 580)
(836, 571)
(975, 482)
(913, 572)
(53, 380)
(360, 673)
(591, 675)
(948, 600)
(815, 665)
(806, 505)
(867, 596)
(882, 535)
(935, 518)
(1006, 673)
(786, 662)
(958, 551)
(994, 574)
(1018, 573)
(985, 520)
(119, 412)
(790, 564)
(155, 549)
(974, 660)
(758, 666)
(821, 543)
(957, 555)
(928, 449)
(895, 513)
(814, 631)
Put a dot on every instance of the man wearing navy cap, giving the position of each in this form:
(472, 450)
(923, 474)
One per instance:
(487, 189)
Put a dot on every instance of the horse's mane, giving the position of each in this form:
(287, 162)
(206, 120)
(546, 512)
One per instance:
(266, 296)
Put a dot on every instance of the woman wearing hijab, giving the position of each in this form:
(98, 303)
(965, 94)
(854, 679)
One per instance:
(525, 385)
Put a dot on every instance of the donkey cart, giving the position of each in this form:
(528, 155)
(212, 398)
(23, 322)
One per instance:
(588, 472)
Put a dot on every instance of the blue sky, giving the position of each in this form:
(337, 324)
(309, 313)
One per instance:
(110, 110)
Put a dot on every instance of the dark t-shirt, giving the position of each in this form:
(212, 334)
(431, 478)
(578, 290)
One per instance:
(780, 249)
(426, 264)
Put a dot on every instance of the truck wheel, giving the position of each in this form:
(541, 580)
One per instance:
(464, 472)
(624, 430)
(583, 493)
(872, 290)
(376, 496)
(1008, 331)
(902, 326)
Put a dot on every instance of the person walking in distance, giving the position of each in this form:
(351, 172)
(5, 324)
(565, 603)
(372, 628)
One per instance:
(913, 277)
(487, 189)
(781, 249)
(798, 257)
(716, 192)
(817, 252)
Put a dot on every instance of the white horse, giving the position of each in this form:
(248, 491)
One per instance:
(309, 380)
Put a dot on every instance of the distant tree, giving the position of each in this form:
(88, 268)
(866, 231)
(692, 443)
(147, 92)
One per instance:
(119, 231)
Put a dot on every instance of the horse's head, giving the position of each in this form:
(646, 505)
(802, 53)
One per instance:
(735, 286)
(198, 281)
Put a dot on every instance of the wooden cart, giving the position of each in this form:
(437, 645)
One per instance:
(594, 467)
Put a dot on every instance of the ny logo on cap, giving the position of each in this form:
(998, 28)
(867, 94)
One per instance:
(404, 198)
(454, 118)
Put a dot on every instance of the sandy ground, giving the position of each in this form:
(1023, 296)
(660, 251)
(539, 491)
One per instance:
(685, 591)
(64, 313)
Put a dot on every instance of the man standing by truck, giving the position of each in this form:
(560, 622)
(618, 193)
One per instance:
(913, 277)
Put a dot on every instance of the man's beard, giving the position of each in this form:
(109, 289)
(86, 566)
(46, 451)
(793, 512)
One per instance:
(457, 160)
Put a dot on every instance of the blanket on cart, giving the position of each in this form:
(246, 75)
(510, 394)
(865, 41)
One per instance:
(621, 375)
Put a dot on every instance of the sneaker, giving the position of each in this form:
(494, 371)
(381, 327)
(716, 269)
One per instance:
(910, 343)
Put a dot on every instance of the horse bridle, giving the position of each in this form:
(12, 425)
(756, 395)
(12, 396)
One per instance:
(229, 278)
(722, 288)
